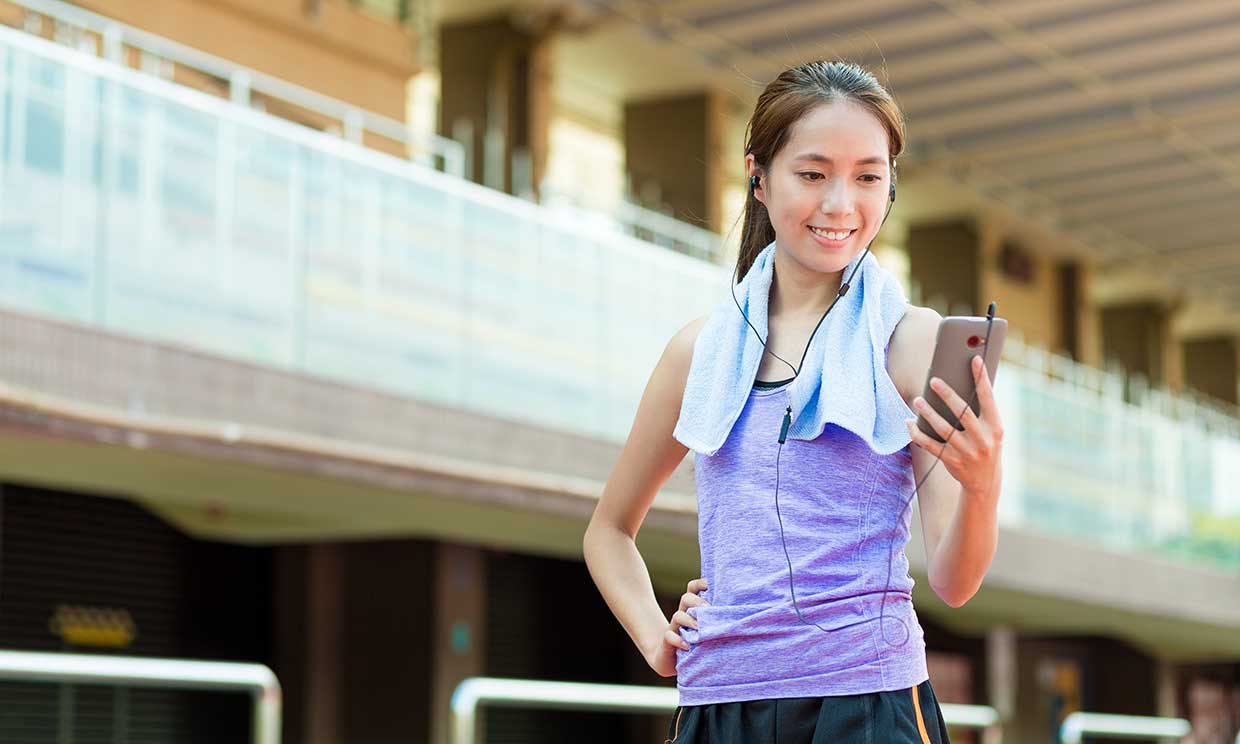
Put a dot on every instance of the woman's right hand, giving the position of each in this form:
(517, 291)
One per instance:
(662, 658)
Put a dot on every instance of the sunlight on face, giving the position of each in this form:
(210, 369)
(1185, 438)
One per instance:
(832, 174)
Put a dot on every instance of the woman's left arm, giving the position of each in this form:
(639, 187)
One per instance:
(959, 500)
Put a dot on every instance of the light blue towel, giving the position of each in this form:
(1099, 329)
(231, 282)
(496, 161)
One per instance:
(844, 379)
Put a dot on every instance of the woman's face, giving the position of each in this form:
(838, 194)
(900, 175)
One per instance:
(826, 190)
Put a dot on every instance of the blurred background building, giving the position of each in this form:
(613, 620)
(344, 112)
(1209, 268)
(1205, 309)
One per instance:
(324, 321)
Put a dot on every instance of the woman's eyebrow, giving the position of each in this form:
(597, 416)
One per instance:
(817, 158)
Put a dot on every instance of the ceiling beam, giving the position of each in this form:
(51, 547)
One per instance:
(1060, 66)
(1175, 220)
(1190, 236)
(1164, 197)
(1224, 253)
(840, 19)
(1126, 146)
(1078, 38)
(977, 115)
(1022, 146)
(1115, 178)
(818, 25)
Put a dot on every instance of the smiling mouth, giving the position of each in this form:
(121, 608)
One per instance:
(835, 235)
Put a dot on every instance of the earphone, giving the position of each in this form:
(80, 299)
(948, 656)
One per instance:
(783, 432)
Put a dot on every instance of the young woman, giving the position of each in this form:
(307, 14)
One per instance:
(809, 634)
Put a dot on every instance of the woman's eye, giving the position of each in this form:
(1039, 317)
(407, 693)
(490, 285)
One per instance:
(875, 178)
(812, 173)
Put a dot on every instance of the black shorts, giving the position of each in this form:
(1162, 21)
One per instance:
(909, 716)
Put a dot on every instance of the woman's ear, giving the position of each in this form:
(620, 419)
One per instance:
(756, 179)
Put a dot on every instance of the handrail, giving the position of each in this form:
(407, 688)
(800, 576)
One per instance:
(473, 692)
(984, 718)
(631, 219)
(243, 80)
(183, 674)
(1076, 725)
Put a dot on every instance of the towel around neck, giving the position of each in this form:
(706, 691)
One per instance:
(843, 380)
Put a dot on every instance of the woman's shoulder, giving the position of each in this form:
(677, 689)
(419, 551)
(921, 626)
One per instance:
(911, 349)
(680, 350)
(683, 341)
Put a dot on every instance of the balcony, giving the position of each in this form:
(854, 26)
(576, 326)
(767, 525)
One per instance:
(138, 207)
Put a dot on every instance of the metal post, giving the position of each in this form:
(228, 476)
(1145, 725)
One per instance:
(257, 679)
(113, 43)
(239, 87)
(1076, 725)
(528, 693)
(463, 133)
(472, 693)
(354, 126)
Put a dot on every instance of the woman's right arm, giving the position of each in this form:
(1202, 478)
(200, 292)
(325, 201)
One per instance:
(649, 457)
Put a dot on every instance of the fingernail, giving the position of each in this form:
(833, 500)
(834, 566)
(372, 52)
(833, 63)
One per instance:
(936, 383)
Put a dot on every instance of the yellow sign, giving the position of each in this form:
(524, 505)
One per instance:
(93, 626)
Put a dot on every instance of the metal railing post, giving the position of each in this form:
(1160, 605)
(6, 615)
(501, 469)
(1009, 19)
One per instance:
(474, 692)
(239, 87)
(353, 125)
(471, 693)
(114, 43)
(183, 674)
(1076, 725)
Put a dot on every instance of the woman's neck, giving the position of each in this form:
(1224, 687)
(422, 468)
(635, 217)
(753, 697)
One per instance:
(799, 294)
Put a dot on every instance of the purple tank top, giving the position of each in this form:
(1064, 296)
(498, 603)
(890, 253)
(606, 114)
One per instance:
(839, 502)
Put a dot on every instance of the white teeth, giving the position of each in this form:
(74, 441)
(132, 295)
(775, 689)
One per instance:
(832, 235)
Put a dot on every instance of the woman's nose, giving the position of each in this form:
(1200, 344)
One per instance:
(838, 199)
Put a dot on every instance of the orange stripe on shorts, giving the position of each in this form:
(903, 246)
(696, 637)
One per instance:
(921, 724)
(676, 731)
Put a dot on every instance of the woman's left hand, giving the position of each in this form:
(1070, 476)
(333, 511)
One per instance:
(971, 455)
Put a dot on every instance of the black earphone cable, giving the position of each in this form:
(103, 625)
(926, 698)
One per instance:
(753, 180)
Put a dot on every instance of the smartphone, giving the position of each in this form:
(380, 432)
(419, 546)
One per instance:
(960, 338)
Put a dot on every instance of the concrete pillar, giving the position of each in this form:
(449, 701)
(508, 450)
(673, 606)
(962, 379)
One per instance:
(1172, 356)
(674, 155)
(945, 266)
(1211, 365)
(458, 644)
(323, 642)
(1002, 670)
(1037, 290)
(891, 249)
(1136, 334)
(495, 92)
(1088, 321)
(1166, 692)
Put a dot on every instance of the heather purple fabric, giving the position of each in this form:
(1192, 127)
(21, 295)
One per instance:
(840, 504)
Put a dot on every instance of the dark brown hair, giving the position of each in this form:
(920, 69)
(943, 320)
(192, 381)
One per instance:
(782, 104)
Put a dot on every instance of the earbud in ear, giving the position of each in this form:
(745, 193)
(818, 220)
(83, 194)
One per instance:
(753, 183)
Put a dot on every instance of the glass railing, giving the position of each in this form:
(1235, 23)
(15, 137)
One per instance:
(134, 205)
(139, 206)
(1081, 462)
(81, 29)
